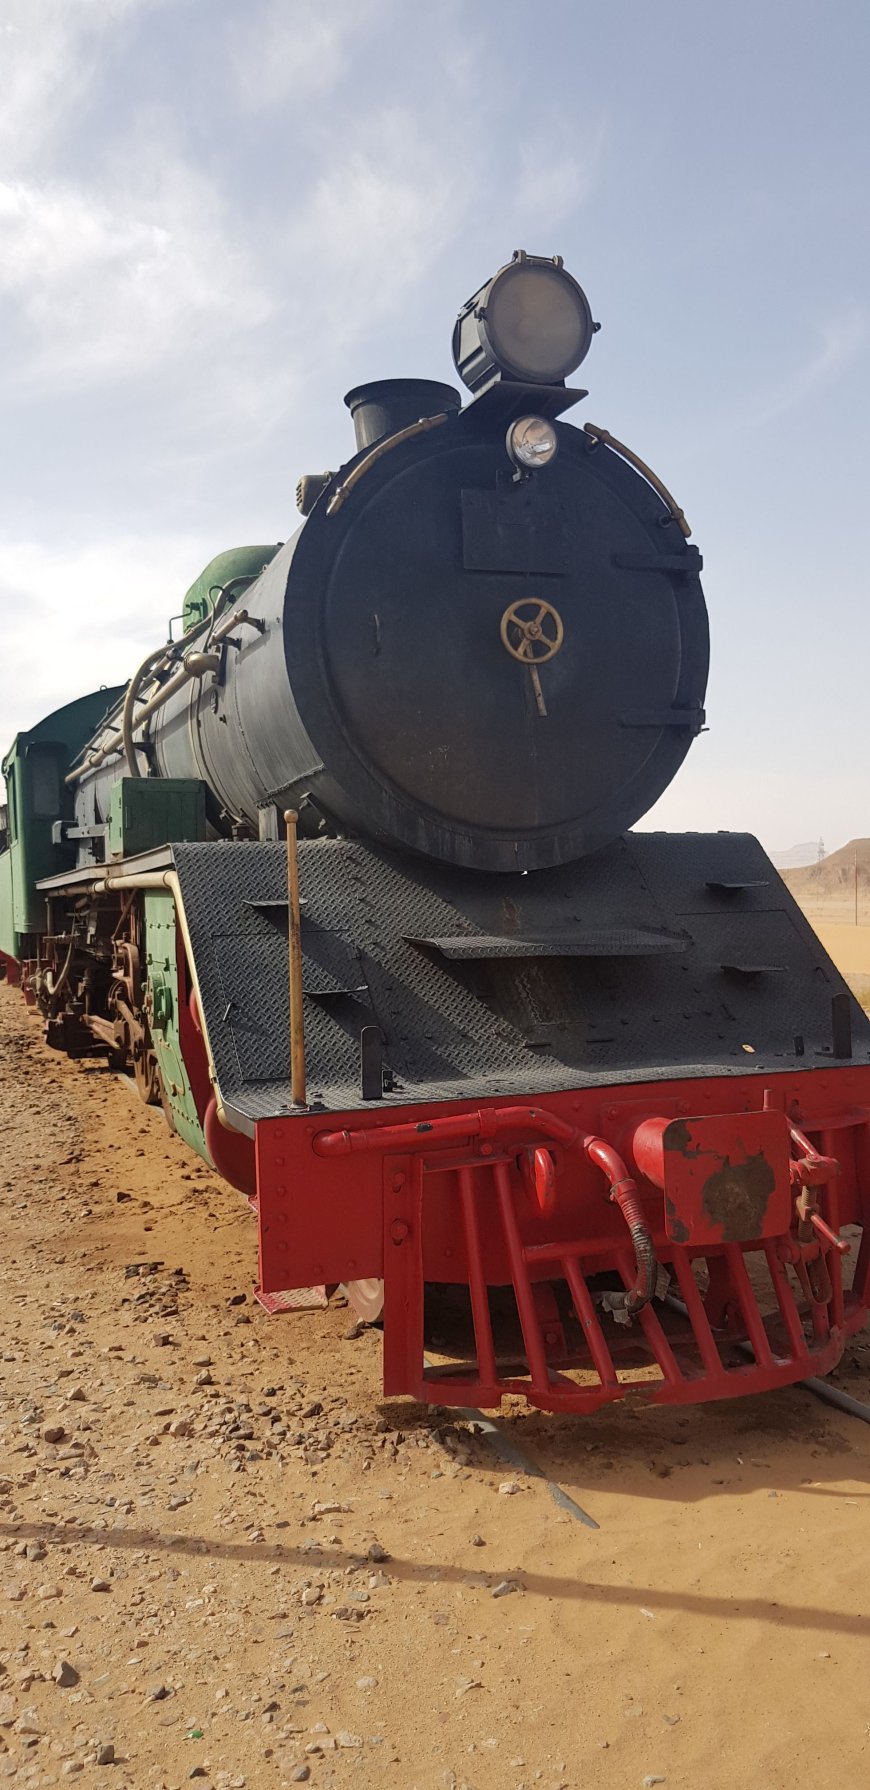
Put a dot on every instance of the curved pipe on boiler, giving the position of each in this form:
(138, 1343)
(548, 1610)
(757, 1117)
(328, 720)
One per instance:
(194, 666)
(131, 697)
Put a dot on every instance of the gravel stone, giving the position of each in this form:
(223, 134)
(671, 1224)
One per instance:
(65, 1674)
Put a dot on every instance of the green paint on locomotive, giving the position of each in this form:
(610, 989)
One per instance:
(162, 1007)
(145, 812)
(8, 935)
(230, 573)
(37, 797)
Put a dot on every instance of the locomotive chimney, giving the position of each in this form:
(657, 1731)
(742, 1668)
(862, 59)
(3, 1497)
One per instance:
(384, 406)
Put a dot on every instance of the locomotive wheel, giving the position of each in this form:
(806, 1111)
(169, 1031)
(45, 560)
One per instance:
(147, 1075)
(365, 1297)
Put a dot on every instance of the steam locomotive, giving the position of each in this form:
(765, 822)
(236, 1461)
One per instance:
(344, 877)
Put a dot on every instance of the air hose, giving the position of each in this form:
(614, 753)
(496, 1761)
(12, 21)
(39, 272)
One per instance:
(624, 1194)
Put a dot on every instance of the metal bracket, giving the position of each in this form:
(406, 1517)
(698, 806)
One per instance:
(371, 1063)
(677, 565)
(694, 719)
(62, 830)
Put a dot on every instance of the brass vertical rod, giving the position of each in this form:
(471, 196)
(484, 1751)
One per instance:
(294, 957)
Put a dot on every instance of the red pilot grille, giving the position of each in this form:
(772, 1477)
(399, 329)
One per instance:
(597, 1246)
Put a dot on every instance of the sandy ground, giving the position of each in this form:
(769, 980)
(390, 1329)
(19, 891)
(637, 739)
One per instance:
(847, 944)
(837, 910)
(198, 1554)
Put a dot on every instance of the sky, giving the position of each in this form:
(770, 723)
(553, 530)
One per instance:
(216, 216)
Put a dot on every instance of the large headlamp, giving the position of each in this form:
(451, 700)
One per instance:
(531, 322)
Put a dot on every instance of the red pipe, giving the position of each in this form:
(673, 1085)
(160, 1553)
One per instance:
(648, 1149)
(824, 1230)
(423, 1133)
(491, 1123)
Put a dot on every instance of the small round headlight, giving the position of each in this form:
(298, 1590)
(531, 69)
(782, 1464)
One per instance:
(532, 441)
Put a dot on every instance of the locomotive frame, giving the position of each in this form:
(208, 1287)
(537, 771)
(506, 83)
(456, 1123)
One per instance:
(582, 1208)
(607, 1090)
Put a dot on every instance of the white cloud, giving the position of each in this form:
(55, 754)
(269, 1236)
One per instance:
(117, 276)
(842, 340)
(47, 53)
(146, 263)
(373, 224)
(77, 617)
(296, 49)
(104, 286)
(114, 275)
(558, 170)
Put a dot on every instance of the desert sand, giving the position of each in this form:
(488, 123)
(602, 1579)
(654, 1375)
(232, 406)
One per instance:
(835, 896)
(848, 945)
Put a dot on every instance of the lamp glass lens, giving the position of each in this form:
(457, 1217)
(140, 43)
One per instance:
(537, 322)
(533, 441)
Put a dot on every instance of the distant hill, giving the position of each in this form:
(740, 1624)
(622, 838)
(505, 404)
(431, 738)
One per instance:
(835, 876)
(797, 856)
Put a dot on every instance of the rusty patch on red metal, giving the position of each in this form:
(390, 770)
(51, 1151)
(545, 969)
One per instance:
(675, 1226)
(736, 1197)
(727, 1178)
(680, 1138)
